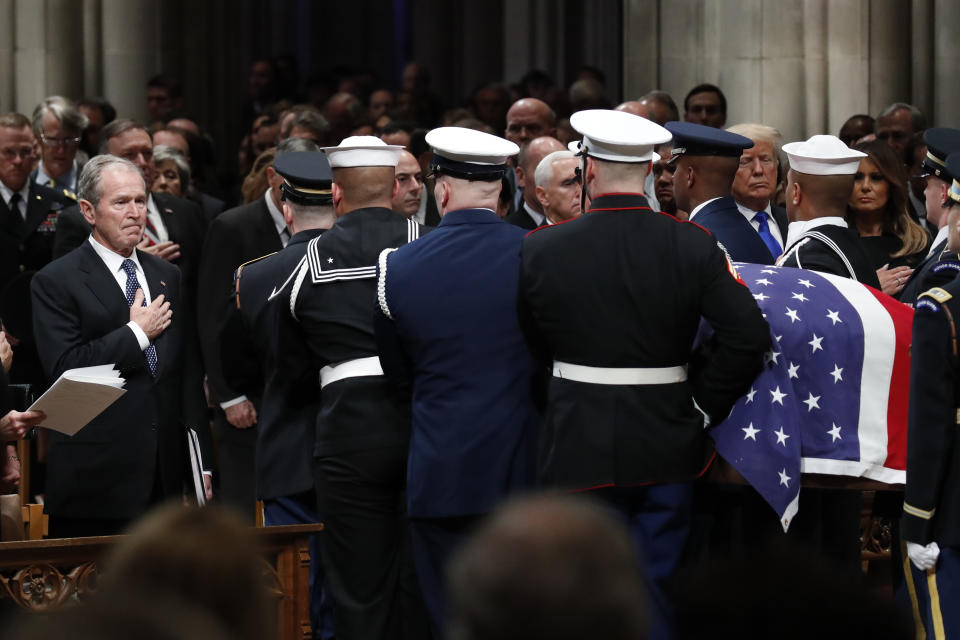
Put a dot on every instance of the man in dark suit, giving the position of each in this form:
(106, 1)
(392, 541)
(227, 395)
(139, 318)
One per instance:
(29, 214)
(941, 265)
(410, 201)
(756, 182)
(107, 303)
(529, 215)
(625, 413)
(286, 374)
(461, 349)
(819, 184)
(237, 236)
(707, 161)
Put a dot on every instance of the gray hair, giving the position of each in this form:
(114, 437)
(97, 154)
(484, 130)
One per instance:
(544, 172)
(759, 133)
(162, 153)
(90, 184)
(118, 128)
(291, 145)
(311, 120)
(917, 119)
(71, 119)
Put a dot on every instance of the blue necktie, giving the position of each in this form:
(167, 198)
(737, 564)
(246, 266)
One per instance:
(772, 245)
(131, 290)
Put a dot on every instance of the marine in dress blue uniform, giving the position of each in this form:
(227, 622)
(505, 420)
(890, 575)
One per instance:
(460, 347)
(614, 299)
(941, 264)
(713, 208)
(930, 526)
(363, 425)
(288, 410)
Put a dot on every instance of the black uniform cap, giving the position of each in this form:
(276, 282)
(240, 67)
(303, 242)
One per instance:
(307, 177)
(941, 142)
(698, 140)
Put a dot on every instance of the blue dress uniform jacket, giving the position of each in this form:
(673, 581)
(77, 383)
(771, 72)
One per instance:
(723, 219)
(459, 342)
(288, 409)
(623, 286)
(931, 510)
(936, 270)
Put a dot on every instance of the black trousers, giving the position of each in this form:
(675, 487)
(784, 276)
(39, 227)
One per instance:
(365, 545)
(236, 475)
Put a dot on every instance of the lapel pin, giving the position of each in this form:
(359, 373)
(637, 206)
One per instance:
(162, 283)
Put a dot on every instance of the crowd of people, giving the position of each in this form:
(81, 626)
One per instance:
(394, 315)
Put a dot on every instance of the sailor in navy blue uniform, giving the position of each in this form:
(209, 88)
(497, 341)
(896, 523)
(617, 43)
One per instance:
(706, 161)
(819, 184)
(614, 299)
(288, 411)
(363, 425)
(930, 525)
(941, 265)
(460, 346)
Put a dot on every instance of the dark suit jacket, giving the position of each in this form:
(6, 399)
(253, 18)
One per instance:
(522, 219)
(276, 368)
(722, 218)
(780, 215)
(108, 469)
(185, 224)
(235, 236)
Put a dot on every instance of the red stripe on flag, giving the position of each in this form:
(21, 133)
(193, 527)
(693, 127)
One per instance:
(897, 407)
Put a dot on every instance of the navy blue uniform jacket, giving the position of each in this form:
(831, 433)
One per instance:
(455, 333)
(722, 218)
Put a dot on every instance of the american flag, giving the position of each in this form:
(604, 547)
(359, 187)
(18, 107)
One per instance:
(833, 394)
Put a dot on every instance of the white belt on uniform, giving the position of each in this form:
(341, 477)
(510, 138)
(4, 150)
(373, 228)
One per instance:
(350, 369)
(619, 375)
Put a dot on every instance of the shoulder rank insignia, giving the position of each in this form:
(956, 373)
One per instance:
(239, 273)
(947, 265)
(70, 195)
(937, 294)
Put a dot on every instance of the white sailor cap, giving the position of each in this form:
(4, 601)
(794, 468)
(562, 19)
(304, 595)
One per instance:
(363, 151)
(823, 156)
(618, 136)
(469, 154)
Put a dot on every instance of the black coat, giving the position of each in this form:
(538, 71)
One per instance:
(107, 469)
(286, 373)
(623, 286)
(831, 249)
(931, 509)
(27, 245)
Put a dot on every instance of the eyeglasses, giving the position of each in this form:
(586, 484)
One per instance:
(59, 142)
(10, 154)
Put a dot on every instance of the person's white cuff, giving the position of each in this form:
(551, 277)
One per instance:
(229, 403)
(923, 557)
(142, 338)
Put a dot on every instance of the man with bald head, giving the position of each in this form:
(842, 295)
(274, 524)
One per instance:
(635, 107)
(529, 118)
(661, 105)
(706, 161)
(819, 184)
(529, 214)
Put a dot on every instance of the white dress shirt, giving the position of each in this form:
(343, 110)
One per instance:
(940, 237)
(277, 216)
(114, 262)
(749, 214)
(153, 214)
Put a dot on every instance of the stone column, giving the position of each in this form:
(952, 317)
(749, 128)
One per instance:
(682, 49)
(641, 47)
(130, 53)
(92, 48)
(814, 69)
(890, 53)
(7, 55)
(946, 61)
(30, 71)
(64, 60)
(848, 66)
(921, 46)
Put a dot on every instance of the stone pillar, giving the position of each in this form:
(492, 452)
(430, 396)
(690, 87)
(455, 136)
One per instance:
(130, 53)
(681, 53)
(7, 54)
(92, 48)
(946, 61)
(641, 47)
(29, 54)
(922, 44)
(601, 48)
(848, 66)
(64, 60)
(890, 53)
(782, 67)
(814, 69)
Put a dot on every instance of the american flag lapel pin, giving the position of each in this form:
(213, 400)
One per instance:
(162, 283)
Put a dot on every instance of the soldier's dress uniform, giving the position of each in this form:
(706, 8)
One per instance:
(282, 372)
(614, 298)
(941, 265)
(931, 506)
(363, 425)
(460, 345)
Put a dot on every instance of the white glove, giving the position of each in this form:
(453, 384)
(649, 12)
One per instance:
(923, 557)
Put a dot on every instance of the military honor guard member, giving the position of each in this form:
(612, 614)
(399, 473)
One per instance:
(930, 525)
(460, 346)
(363, 426)
(941, 265)
(285, 372)
(614, 298)
(819, 184)
(706, 161)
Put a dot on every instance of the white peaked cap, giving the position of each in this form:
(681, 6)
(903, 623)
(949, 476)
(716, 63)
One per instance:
(363, 151)
(618, 136)
(469, 145)
(823, 156)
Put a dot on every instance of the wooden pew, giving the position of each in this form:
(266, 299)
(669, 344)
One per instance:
(44, 575)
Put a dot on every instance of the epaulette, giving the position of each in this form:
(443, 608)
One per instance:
(237, 274)
(946, 265)
(937, 294)
(70, 194)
